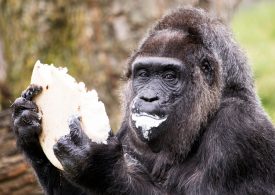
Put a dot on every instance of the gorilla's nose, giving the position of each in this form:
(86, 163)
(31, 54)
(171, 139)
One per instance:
(149, 98)
(149, 104)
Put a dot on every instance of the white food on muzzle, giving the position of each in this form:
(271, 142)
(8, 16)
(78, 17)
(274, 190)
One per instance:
(61, 98)
(146, 122)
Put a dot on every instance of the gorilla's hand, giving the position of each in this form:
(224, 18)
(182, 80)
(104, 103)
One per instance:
(73, 149)
(26, 121)
(85, 161)
(27, 127)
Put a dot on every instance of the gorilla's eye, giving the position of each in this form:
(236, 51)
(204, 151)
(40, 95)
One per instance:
(143, 73)
(170, 76)
(206, 66)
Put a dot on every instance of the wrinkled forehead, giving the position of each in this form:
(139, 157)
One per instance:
(165, 43)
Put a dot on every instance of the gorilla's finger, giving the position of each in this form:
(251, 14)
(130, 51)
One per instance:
(27, 134)
(76, 132)
(27, 118)
(58, 152)
(33, 130)
(65, 144)
(21, 104)
(74, 122)
(31, 91)
(63, 147)
(76, 135)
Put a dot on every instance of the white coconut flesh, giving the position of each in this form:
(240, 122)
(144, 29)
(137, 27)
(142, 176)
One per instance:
(61, 98)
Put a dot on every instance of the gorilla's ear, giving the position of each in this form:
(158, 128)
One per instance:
(206, 67)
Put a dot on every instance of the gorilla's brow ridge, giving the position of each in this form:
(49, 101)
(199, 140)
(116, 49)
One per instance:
(156, 60)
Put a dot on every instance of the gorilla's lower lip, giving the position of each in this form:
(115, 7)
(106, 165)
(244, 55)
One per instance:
(155, 117)
(146, 122)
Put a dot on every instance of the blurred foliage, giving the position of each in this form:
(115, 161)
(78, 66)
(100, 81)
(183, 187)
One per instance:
(254, 28)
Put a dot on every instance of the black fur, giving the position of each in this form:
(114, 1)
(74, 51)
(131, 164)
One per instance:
(216, 140)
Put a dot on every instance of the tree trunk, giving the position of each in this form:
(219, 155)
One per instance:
(4, 90)
(224, 9)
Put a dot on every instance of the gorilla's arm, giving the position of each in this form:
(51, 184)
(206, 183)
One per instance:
(103, 168)
(26, 125)
(240, 141)
(235, 155)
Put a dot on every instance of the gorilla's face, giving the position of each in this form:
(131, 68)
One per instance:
(175, 86)
(158, 83)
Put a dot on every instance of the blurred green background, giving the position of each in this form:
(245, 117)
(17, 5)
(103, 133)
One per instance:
(254, 28)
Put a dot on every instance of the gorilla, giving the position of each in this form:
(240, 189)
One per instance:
(192, 122)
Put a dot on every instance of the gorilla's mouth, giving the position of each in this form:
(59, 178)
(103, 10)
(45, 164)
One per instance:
(146, 122)
(155, 117)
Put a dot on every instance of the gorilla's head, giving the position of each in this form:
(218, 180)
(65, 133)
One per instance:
(176, 80)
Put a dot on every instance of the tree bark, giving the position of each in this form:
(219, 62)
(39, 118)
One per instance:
(3, 65)
(224, 9)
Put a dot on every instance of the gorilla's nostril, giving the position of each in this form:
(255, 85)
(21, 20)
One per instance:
(149, 99)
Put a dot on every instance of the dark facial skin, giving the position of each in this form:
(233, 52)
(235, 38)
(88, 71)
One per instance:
(157, 85)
